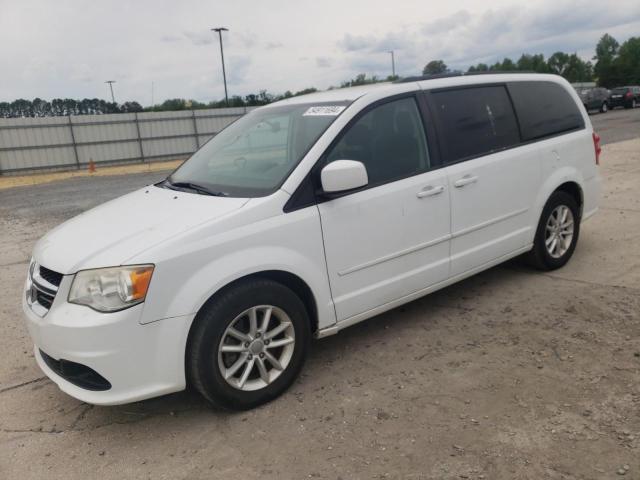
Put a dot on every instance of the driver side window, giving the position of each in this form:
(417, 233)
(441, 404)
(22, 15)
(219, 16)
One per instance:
(389, 140)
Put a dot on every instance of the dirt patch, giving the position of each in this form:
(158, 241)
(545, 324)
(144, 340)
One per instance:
(510, 374)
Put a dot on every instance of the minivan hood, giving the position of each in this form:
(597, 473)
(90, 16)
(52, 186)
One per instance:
(113, 232)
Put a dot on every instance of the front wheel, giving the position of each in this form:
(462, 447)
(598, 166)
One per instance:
(604, 108)
(248, 344)
(557, 232)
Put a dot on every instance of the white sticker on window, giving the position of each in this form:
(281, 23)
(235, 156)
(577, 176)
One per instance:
(326, 110)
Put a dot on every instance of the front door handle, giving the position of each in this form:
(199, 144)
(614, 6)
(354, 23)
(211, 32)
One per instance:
(429, 191)
(466, 180)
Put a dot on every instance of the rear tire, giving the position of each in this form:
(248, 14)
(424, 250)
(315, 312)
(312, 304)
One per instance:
(232, 357)
(604, 108)
(557, 233)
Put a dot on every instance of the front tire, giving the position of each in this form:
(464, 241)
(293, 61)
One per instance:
(604, 108)
(557, 232)
(248, 344)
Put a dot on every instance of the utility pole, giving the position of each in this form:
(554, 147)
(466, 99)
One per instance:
(111, 82)
(393, 63)
(224, 74)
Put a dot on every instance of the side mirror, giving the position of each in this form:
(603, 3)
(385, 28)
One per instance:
(343, 175)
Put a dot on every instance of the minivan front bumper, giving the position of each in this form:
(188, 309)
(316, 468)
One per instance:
(137, 361)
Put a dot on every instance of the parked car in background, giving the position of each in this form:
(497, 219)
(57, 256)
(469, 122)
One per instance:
(627, 97)
(302, 218)
(595, 98)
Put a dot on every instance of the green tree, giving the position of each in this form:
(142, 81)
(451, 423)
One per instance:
(435, 67)
(628, 61)
(558, 63)
(605, 69)
(532, 63)
(481, 67)
(360, 79)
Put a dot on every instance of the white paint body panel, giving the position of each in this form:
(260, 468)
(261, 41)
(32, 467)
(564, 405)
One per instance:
(360, 254)
(384, 243)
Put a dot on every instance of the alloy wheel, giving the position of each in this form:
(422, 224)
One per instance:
(256, 347)
(559, 231)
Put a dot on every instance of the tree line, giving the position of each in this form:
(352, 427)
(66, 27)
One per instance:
(613, 65)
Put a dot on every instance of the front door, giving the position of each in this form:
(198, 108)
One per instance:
(391, 238)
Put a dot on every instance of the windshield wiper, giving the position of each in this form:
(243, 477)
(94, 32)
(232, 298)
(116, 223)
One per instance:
(195, 187)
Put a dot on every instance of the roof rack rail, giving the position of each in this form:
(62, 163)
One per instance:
(418, 78)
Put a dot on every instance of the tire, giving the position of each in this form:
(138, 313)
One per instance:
(633, 103)
(604, 108)
(207, 358)
(541, 256)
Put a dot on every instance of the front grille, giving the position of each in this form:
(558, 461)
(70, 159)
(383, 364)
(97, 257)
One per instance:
(43, 287)
(76, 373)
(54, 278)
(45, 299)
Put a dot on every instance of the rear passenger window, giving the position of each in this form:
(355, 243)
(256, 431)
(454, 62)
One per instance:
(474, 121)
(544, 109)
(389, 140)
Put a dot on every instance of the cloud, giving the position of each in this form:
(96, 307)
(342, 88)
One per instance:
(170, 43)
(237, 68)
(463, 38)
(170, 38)
(200, 38)
(323, 62)
(354, 43)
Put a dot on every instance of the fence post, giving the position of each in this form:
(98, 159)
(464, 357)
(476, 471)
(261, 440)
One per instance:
(139, 137)
(195, 128)
(73, 141)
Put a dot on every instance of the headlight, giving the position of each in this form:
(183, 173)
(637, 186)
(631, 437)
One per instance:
(111, 289)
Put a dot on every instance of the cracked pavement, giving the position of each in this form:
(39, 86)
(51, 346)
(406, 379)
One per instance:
(512, 373)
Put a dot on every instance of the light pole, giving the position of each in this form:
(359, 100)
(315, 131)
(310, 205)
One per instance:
(393, 63)
(224, 74)
(111, 82)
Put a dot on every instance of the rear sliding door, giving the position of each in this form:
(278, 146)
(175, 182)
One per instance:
(492, 180)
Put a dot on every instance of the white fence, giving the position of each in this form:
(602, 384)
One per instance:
(28, 144)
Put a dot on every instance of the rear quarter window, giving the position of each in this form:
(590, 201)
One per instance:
(544, 109)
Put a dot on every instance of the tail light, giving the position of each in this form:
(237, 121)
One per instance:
(628, 95)
(596, 146)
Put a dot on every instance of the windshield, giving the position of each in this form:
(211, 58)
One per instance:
(255, 154)
(619, 90)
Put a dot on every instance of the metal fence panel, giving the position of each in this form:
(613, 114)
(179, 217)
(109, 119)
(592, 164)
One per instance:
(72, 142)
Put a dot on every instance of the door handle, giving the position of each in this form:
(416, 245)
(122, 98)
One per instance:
(466, 180)
(429, 191)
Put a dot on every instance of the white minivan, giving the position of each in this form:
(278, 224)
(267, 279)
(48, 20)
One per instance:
(304, 217)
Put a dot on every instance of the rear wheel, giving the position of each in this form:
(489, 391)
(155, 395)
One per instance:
(604, 108)
(248, 344)
(557, 233)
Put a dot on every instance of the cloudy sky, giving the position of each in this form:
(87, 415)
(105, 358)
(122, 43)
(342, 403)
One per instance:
(68, 48)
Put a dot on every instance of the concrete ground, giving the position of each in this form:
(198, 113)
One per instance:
(510, 374)
(617, 125)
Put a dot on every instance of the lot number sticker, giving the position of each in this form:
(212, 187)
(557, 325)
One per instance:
(326, 110)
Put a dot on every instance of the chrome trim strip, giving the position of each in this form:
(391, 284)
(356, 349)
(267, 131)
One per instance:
(37, 279)
(392, 256)
(464, 231)
(431, 243)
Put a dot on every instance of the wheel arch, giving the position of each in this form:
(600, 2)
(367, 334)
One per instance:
(575, 190)
(566, 179)
(286, 278)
